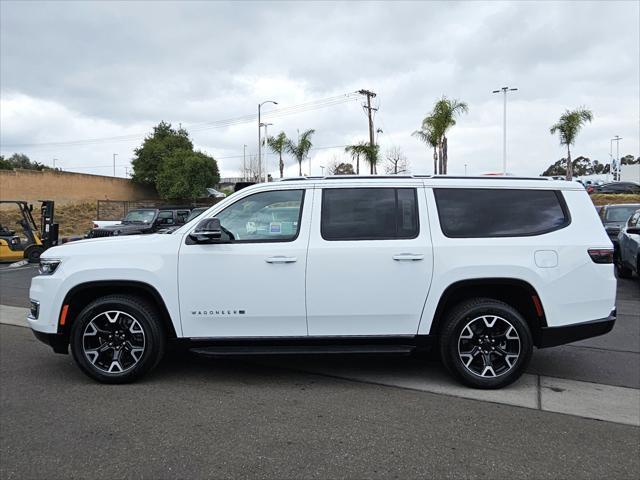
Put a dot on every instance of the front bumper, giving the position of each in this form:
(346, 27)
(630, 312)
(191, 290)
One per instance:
(553, 336)
(57, 341)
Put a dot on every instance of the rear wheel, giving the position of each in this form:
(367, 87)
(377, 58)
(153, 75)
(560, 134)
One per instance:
(117, 339)
(485, 343)
(33, 253)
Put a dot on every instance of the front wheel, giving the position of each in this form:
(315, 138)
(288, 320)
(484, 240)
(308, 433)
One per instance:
(117, 339)
(621, 270)
(485, 343)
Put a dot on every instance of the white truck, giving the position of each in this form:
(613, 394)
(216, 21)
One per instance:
(482, 269)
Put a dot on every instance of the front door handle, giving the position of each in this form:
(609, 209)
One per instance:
(281, 259)
(408, 257)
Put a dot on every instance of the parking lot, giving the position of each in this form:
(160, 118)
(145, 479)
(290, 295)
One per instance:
(316, 417)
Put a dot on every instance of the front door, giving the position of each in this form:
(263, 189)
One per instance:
(370, 261)
(253, 286)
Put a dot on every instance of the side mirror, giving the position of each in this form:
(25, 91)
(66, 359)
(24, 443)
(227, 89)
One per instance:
(207, 231)
(634, 230)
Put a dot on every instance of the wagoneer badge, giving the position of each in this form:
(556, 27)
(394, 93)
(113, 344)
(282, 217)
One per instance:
(217, 312)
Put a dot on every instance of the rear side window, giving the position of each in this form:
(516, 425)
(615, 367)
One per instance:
(369, 214)
(475, 212)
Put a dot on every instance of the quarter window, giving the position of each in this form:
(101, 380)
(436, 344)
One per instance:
(369, 214)
(469, 213)
(263, 217)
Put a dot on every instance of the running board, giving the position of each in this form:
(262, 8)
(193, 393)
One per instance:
(225, 350)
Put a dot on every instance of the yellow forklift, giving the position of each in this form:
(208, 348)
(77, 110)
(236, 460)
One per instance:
(26, 241)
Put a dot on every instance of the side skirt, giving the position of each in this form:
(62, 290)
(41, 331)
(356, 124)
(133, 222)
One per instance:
(396, 345)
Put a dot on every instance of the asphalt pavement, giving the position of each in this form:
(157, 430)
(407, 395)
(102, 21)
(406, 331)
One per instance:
(197, 418)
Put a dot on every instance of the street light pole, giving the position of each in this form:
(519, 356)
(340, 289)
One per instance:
(266, 139)
(114, 164)
(616, 176)
(244, 163)
(504, 91)
(260, 136)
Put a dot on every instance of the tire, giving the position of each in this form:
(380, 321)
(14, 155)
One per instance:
(32, 254)
(485, 343)
(621, 270)
(117, 339)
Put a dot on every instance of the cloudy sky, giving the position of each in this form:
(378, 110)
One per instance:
(109, 71)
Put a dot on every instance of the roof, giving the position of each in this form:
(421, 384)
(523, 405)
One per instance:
(432, 181)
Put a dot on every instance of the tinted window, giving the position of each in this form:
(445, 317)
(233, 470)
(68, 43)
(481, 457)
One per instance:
(478, 212)
(266, 216)
(182, 215)
(369, 213)
(165, 218)
(620, 214)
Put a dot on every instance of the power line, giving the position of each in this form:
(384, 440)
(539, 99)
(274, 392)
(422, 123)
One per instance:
(198, 127)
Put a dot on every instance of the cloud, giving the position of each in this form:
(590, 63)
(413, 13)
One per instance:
(102, 69)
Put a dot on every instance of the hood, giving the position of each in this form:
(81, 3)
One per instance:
(110, 247)
(127, 227)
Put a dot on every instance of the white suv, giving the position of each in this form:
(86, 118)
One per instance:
(483, 269)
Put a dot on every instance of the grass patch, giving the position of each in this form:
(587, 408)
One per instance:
(609, 198)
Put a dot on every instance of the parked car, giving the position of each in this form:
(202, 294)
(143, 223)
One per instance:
(142, 221)
(618, 187)
(482, 269)
(196, 212)
(628, 253)
(614, 218)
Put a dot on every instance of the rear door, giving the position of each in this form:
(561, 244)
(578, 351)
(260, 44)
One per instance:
(370, 261)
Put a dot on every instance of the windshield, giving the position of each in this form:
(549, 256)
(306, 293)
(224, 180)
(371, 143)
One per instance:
(620, 214)
(140, 216)
(195, 212)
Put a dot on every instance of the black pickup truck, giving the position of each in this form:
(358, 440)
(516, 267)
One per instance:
(142, 221)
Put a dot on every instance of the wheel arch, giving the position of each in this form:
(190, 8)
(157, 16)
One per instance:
(82, 294)
(518, 293)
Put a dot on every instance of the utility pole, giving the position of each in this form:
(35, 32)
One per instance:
(260, 137)
(114, 164)
(616, 175)
(244, 163)
(54, 163)
(369, 94)
(504, 91)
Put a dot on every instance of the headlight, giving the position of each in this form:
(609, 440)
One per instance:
(47, 267)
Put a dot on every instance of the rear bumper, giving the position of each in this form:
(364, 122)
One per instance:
(552, 336)
(58, 342)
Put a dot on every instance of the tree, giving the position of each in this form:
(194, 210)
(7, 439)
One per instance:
(21, 161)
(300, 149)
(162, 142)
(568, 127)
(278, 145)
(428, 135)
(341, 169)
(372, 156)
(185, 174)
(442, 118)
(396, 162)
(356, 151)
(629, 160)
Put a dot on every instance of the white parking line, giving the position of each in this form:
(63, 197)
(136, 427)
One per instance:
(571, 397)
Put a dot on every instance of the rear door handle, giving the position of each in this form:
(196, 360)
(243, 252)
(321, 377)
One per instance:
(281, 259)
(408, 257)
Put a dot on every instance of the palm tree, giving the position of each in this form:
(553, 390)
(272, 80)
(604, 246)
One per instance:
(428, 135)
(301, 149)
(371, 155)
(568, 126)
(357, 150)
(442, 118)
(278, 145)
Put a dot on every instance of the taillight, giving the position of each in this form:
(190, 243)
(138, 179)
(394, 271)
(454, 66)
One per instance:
(601, 255)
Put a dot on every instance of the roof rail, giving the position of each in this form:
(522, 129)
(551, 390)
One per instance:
(434, 177)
